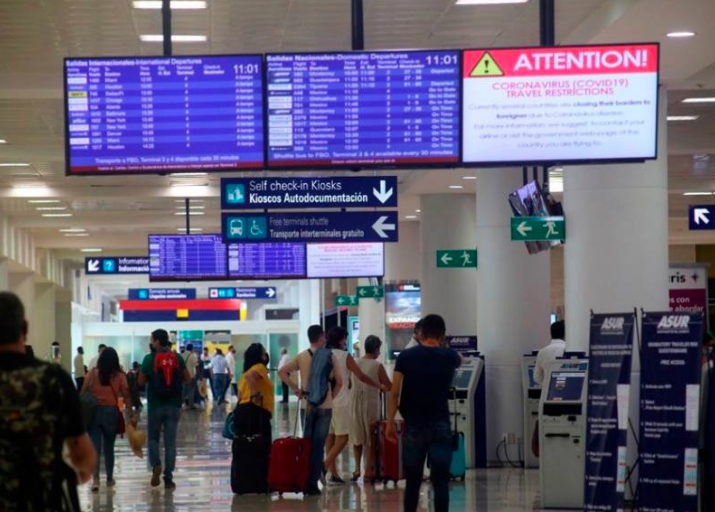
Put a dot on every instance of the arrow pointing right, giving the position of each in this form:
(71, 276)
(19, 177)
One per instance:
(383, 194)
(271, 292)
(93, 266)
(523, 229)
(446, 258)
(701, 216)
(380, 227)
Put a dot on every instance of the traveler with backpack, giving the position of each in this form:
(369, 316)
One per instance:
(165, 372)
(316, 370)
(39, 415)
(107, 383)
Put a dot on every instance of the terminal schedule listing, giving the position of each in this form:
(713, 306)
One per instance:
(152, 114)
(363, 108)
(267, 261)
(175, 257)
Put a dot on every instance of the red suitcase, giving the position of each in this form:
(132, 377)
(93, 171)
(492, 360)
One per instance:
(387, 458)
(289, 467)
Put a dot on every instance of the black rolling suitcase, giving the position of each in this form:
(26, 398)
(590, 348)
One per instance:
(251, 450)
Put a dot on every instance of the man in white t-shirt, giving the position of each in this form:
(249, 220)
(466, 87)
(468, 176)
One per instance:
(79, 372)
(93, 361)
(551, 352)
(416, 336)
(192, 360)
(285, 358)
(231, 360)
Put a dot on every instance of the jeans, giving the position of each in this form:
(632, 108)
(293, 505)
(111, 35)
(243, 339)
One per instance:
(167, 417)
(316, 426)
(219, 385)
(103, 433)
(79, 381)
(189, 392)
(286, 392)
(433, 440)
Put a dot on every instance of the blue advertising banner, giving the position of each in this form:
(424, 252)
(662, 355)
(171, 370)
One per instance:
(312, 227)
(337, 192)
(161, 293)
(669, 412)
(609, 379)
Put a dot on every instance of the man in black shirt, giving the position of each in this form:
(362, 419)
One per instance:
(39, 413)
(421, 385)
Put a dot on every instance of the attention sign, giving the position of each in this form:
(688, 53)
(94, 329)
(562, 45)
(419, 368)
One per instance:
(564, 104)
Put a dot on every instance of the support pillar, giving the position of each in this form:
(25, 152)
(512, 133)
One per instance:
(448, 222)
(513, 305)
(22, 284)
(63, 326)
(43, 324)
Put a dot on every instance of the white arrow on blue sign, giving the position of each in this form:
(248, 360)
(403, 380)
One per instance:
(701, 217)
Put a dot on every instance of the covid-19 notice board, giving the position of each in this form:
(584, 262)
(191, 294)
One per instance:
(560, 105)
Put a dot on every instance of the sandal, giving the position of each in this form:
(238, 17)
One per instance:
(355, 477)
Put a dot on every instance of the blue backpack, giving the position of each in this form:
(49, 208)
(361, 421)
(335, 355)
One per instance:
(321, 367)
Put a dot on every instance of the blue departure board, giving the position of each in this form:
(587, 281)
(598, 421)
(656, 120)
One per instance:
(363, 109)
(160, 114)
(267, 261)
(187, 258)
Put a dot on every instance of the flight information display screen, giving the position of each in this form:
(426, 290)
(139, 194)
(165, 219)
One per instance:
(363, 108)
(267, 261)
(186, 258)
(156, 114)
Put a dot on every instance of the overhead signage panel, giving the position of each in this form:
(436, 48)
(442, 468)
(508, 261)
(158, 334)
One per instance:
(701, 217)
(563, 104)
(310, 227)
(243, 292)
(363, 108)
(161, 293)
(266, 261)
(130, 115)
(116, 265)
(331, 261)
(339, 192)
(187, 258)
(538, 228)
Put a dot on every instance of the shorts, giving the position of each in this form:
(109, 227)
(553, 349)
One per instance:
(340, 424)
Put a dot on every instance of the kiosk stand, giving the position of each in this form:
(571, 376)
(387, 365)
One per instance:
(532, 396)
(562, 433)
(471, 407)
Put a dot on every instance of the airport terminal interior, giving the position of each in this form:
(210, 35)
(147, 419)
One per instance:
(236, 171)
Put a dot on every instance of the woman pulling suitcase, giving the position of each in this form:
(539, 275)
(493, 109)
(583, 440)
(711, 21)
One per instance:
(252, 417)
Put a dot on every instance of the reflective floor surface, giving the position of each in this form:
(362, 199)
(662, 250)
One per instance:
(202, 479)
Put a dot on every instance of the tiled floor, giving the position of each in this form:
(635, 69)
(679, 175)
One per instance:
(202, 478)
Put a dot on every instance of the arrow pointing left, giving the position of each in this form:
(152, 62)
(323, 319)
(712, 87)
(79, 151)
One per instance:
(381, 227)
(363, 292)
(523, 229)
(446, 258)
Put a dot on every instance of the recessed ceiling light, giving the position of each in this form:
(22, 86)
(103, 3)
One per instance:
(411, 217)
(50, 208)
(683, 118)
(50, 215)
(43, 201)
(681, 33)
(191, 207)
(469, 177)
(190, 213)
(699, 193)
(72, 230)
(188, 174)
(175, 4)
(418, 211)
(5, 164)
(490, 2)
(456, 187)
(91, 249)
(699, 100)
(76, 234)
(159, 38)
(183, 230)
(3, 141)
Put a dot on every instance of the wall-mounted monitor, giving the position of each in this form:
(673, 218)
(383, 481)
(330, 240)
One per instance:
(362, 109)
(560, 105)
(132, 115)
(187, 258)
(266, 261)
(327, 261)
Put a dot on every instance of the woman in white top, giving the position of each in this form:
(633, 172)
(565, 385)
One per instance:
(340, 424)
(364, 406)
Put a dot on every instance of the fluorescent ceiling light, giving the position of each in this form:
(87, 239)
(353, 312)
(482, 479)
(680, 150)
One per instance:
(683, 118)
(51, 215)
(187, 174)
(490, 2)
(76, 234)
(43, 201)
(4, 164)
(159, 38)
(411, 217)
(699, 100)
(175, 4)
(190, 213)
(469, 178)
(72, 230)
(50, 208)
(91, 249)
(3, 141)
(681, 33)
(699, 193)
(184, 200)
(183, 230)
(456, 187)
(191, 207)
(418, 211)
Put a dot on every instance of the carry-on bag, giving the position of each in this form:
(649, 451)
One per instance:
(289, 467)
(250, 449)
(458, 467)
(387, 457)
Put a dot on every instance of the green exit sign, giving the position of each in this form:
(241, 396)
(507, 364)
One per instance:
(533, 229)
(370, 292)
(456, 258)
(347, 300)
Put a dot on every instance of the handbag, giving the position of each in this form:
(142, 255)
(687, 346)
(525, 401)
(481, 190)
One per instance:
(229, 427)
(121, 424)
(88, 403)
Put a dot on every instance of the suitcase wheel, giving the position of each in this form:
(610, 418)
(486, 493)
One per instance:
(395, 482)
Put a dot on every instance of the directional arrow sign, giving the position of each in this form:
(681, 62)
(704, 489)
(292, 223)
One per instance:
(537, 228)
(92, 266)
(310, 227)
(347, 300)
(243, 292)
(370, 292)
(313, 193)
(701, 217)
(116, 265)
(457, 258)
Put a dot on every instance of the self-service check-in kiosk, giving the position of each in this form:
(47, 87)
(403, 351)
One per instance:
(532, 396)
(562, 432)
(471, 407)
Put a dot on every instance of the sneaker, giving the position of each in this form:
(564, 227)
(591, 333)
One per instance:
(156, 476)
(323, 474)
(169, 485)
(111, 482)
(314, 491)
(95, 485)
(335, 479)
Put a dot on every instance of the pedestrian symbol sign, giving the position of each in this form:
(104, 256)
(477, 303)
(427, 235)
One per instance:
(457, 258)
(347, 300)
(486, 67)
(538, 229)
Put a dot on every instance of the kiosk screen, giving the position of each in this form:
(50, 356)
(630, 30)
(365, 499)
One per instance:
(461, 379)
(565, 386)
(532, 382)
